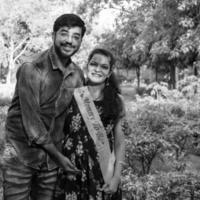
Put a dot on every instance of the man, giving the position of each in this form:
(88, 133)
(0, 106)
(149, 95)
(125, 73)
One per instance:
(43, 90)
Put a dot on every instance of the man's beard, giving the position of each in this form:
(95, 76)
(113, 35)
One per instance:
(60, 54)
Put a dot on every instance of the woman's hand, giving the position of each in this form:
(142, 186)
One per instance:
(112, 187)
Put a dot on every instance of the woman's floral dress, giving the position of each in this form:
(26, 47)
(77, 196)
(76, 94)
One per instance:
(80, 149)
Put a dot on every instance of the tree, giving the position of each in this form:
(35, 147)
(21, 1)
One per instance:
(173, 29)
(27, 28)
(156, 33)
(130, 19)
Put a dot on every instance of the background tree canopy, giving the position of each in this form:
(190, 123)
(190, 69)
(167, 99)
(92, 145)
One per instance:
(160, 34)
(154, 33)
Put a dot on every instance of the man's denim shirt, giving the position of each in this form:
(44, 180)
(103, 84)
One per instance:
(43, 91)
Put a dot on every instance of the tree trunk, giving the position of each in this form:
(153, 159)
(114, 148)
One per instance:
(156, 70)
(11, 64)
(12, 59)
(172, 76)
(176, 76)
(138, 76)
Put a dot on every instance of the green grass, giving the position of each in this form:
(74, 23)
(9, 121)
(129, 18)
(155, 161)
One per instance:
(128, 93)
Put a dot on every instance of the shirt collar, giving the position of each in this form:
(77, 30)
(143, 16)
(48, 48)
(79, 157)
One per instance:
(56, 63)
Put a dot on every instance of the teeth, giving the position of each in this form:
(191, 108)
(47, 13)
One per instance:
(97, 75)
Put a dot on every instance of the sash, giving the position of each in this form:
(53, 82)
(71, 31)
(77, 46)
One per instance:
(97, 131)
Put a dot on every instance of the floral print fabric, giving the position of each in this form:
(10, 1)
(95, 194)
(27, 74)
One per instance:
(79, 147)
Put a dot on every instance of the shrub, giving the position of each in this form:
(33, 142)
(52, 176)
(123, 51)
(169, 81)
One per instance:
(145, 140)
(156, 127)
(189, 87)
(162, 186)
(164, 128)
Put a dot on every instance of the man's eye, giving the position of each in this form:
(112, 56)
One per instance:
(63, 34)
(76, 37)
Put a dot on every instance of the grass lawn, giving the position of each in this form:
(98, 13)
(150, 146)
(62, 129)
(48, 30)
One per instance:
(128, 92)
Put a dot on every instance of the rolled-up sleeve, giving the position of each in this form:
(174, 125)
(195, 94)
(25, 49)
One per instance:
(28, 83)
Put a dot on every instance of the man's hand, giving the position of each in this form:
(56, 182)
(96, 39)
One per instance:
(60, 159)
(68, 167)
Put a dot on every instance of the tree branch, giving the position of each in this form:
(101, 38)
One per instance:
(24, 49)
(20, 44)
(120, 9)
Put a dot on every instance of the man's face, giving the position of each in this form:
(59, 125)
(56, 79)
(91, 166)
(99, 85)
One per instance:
(67, 41)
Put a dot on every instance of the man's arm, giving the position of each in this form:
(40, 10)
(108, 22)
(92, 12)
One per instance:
(29, 82)
(60, 159)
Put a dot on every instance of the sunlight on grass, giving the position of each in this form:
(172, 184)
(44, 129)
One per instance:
(6, 90)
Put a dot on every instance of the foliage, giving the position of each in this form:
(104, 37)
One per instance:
(162, 133)
(27, 29)
(159, 33)
(189, 87)
(162, 186)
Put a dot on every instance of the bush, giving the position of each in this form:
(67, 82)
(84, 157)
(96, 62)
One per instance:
(165, 129)
(162, 186)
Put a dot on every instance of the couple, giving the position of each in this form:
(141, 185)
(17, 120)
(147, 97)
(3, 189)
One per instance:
(46, 128)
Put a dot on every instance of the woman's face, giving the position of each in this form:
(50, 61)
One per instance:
(98, 69)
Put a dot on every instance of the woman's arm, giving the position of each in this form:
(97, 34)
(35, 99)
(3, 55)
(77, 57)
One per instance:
(119, 144)
(119, 149)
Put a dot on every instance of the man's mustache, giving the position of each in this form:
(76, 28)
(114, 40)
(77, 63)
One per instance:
(67, 44)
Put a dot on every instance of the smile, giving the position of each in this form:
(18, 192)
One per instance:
(67, 48)
(97, 75)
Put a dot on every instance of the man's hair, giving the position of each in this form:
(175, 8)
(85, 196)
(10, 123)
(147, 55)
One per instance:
(104, 52)
(69, 20)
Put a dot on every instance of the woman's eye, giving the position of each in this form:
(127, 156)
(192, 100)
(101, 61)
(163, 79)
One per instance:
(104, 67)
(93, 64)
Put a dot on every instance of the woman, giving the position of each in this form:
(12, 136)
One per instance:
(79, 146)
